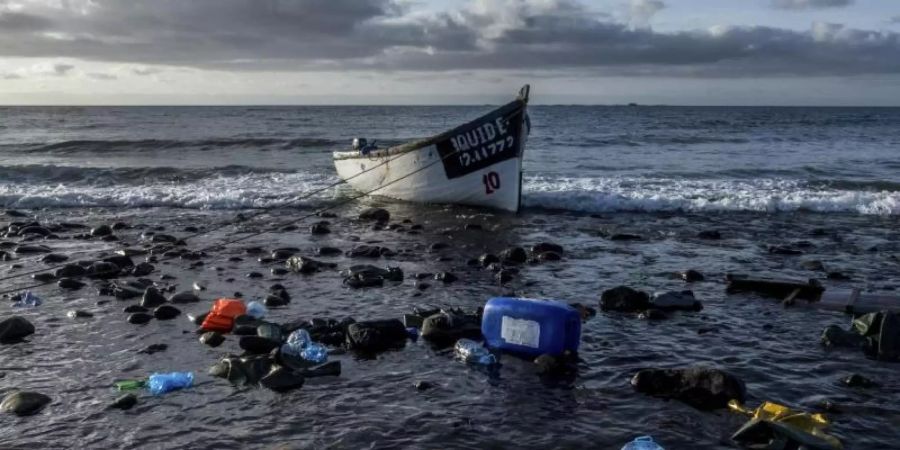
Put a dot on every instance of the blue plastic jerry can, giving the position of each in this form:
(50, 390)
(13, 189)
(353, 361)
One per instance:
(531, 327)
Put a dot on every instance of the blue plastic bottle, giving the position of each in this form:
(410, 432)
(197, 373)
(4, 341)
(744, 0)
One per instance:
(474, 353)
(296, 342)
(531, 327)
(315, 352)
(256, 310)
(161, 383)
(28, 300)
(642, 443)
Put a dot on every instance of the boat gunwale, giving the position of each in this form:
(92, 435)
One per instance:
(507, 109)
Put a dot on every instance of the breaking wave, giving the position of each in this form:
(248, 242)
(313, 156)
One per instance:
(603, 195)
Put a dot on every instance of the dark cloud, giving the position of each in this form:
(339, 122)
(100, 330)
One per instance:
(810, 4)
(486, 34)
(895, 19)
(59, 70)
(11, 21)
(10, 76)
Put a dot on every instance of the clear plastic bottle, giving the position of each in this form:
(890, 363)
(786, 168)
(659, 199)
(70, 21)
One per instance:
(296, 342)
(256, 310)
(161, 383)
(642, 443)
(474, 353)
(315, 352)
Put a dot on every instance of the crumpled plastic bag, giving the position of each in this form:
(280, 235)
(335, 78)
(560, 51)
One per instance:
(776, 427)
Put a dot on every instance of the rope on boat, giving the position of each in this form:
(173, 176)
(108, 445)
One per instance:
(256, 233)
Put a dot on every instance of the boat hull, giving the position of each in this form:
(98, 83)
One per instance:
(418, 176)
(478, 163)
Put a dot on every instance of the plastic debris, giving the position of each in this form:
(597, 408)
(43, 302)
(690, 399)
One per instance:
(257, 310)
(474, 353)
(300, 344)
(130, 385)
(789, 428)
(315, 352)
(28, 300)
(161, 383)
(221, 316)
(642, 443)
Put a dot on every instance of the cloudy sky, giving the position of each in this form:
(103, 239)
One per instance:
(803, 52)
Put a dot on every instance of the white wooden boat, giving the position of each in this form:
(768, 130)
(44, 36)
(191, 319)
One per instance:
(478, 163)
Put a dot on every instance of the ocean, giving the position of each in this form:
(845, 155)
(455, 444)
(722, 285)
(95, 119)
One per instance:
(823, 183)
(589, 159)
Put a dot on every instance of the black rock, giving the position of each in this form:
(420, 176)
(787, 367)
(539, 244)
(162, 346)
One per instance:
(79, 314)
(102, 230)
(164, 238)
(184, 297)
(278, 271)
(445, 277)
(692, 276)
(166, 312)
(124, 402)
(548, 365)
(212, 339)
(514, 255)
(121, 261)
(367, 251)
(258, 345)
(626, 237)
(142, 269)
(487, 259)
(438, 246)
(421, 285)
(710, 235)
(446, 328)
(44, 277)
(255, 275)
(548, 256)
(125, 292)
(152, 298)
(319, 229)
(857, 380)
(375, 214)
(702, 388)
(103, 270)
(70, 271)
(134, 309)
(304, 265)
(70, 284)
(624, 299)
(586, 312)
(139, 318)
(839, 276)
(376, 335)
(26, 249)
(328, 251)
(676, 301)
(154, 348)
(24, 403)
(14, 213)
(14, 329)
(282, 254)
(273, 300)
(54, 258)
(546, 247)
(423, 385)
(282, 379)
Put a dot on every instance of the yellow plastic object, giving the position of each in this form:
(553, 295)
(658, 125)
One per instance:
(813, 424)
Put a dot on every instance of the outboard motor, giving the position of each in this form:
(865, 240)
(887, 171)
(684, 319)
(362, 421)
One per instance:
(363, 146)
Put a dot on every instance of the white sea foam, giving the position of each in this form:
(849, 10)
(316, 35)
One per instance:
(600, 195)
(593, 195)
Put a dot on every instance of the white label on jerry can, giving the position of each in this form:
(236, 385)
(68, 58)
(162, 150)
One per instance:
(520, 332)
